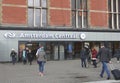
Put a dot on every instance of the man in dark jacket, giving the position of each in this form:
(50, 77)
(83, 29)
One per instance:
(83, 56)
(105, 57)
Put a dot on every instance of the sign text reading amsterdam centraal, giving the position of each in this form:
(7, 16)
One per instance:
(45, 35)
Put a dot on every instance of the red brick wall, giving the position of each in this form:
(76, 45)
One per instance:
(98, 19)
(14, 15)
(59, 17)
(98, 5)
(16, 2)
(59, 13)
(14, 12)
(98, 13)
(60, 3)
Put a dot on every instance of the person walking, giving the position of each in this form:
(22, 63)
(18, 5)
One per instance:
(88, 54)
(41, 59)
(30, 57)
(93, 57)
(13, 55)
(83, 57)
(70, 51)
(24, 56)
(105, 57)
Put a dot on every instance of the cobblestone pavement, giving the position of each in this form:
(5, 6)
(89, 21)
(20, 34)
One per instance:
(66, 71)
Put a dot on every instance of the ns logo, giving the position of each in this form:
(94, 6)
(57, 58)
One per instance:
(9, 35)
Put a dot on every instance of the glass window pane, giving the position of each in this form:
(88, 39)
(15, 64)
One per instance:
(109, 5)
(44, 3)
(79, 4)
(73, 3)
(118, 5)
(114, 5)
(30, 17)
(80, 19)
(85, 4)
(37, 3)
(37, 17)
(44, 21)
(30, 2)
(119, 20)
(115, 21)
(85, 20)
(73, 19)
(110, 20)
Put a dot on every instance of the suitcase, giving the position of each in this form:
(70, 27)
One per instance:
(115, 72)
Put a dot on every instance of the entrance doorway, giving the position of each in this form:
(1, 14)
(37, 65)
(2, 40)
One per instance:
(54, 50)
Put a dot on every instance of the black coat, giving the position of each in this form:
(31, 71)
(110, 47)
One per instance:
(83, 54)
(104, 54)
(29, 56)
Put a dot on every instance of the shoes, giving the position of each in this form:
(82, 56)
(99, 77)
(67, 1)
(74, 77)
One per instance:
(101, 76)
(41, 74)
(108, 78)
(118, 62)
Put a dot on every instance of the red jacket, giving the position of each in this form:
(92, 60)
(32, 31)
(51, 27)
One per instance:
(94, 53)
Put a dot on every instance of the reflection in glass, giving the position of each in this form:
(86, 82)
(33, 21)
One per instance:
(44, 3)
(73, 3)
(73, 19)
(43, 17)
(79, 4)
(30, 17)
(37, 3)
(80, 19)
(37, 17)
(30, 3)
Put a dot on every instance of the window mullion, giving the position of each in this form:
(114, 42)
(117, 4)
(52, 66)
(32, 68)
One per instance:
(82, 19)
(41, 17)
(117, 14)
(112, 14)
(82, 14)
(76, 17)
(77, 13)
(34, 12)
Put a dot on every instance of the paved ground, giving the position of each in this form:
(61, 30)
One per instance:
(68, 71)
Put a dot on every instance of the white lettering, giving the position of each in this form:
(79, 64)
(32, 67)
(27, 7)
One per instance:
(46, 35)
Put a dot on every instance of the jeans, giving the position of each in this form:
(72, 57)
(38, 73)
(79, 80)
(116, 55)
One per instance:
(41, 66)
(13, 60)
(83, 62)
(105, 68)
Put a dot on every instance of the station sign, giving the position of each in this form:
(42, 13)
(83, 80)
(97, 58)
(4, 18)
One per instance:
(46, 35)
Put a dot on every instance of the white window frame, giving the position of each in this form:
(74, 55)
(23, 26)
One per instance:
(82, 15)
(115, 13)
(41, 8)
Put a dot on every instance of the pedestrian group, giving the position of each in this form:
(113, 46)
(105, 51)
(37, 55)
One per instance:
(87, 57)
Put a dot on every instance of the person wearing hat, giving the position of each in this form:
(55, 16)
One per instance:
(13, 55)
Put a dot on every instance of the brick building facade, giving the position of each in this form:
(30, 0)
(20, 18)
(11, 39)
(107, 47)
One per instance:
(15, 13)
(59, 23)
